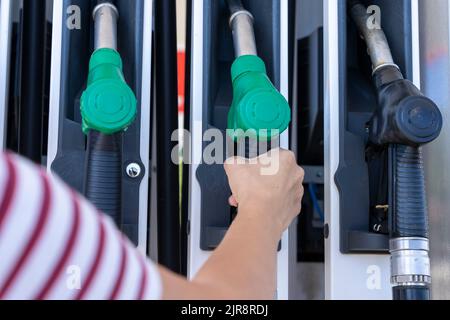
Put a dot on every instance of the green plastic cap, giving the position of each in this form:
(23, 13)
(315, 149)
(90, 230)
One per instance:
(108, 104)
(257, 105)
(264, 111)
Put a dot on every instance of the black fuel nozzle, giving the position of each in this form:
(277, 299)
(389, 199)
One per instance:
(404, 115)
(404, 120)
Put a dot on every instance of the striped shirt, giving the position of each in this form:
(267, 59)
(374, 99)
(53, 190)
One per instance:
(54, 245)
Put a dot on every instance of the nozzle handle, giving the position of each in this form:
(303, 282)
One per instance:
(404, 115)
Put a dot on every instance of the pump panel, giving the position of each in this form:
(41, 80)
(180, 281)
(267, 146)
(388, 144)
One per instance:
(360, 176)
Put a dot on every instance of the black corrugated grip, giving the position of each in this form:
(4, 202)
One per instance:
(411, 218)
(104, 173)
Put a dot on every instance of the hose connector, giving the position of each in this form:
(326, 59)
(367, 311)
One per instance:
(410, 262)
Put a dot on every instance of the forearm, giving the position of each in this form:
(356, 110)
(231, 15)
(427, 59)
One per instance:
(242, 267)
(245, 263)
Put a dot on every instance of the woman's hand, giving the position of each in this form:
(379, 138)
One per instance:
(268, 191)
(271, 185)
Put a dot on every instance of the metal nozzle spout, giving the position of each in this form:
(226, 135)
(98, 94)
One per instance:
(373, 34)
(105, 17)
(241, 23)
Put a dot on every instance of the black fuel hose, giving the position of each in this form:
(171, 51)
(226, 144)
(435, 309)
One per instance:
(411, 293)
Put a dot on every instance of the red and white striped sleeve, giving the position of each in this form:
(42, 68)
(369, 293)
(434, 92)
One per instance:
(54, 245)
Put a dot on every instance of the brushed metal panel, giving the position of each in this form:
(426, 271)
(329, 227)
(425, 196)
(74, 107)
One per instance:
(435, 74)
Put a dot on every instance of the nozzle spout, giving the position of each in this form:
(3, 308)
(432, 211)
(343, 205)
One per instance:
(105, 16)
(241, 24)
(373, 34)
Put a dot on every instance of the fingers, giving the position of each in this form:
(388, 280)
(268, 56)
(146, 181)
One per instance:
(233, 202)
(299, 175)
(290, 157)
(299, 193)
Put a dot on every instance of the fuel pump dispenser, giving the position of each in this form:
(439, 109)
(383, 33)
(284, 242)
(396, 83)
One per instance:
(404, 121)
(252, 98)
(372, 135)
(100, 107)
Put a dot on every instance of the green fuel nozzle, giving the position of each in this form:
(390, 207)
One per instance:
(108, 105)
(257, 104)
(258, 108)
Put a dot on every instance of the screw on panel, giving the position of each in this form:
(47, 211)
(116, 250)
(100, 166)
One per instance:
(133, 170)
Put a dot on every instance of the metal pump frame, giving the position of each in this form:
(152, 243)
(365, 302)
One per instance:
(5, 52)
